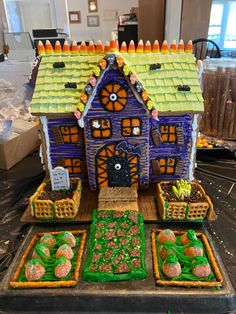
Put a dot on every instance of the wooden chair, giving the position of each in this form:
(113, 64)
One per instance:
(205, 48)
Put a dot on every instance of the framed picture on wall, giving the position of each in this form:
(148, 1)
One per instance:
(93, 20)
(92, 6)
(74, 17)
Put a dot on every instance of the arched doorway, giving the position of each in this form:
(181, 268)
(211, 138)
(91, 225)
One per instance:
(116, 168)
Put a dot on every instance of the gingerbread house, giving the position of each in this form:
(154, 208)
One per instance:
(119, 117)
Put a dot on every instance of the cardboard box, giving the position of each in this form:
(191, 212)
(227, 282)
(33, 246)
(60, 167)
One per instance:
(23, 140)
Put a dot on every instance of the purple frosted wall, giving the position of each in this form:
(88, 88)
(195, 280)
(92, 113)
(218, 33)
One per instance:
(171, 150)
(133, 109)
(66, 150)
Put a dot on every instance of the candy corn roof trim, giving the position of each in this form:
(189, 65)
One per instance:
(161, 84)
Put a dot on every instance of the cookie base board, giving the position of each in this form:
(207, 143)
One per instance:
(117, 296)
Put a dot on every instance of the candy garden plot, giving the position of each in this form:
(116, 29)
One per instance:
(51, 260)
(184, 259)
(116, 249)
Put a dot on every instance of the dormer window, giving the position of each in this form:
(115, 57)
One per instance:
(113, 97)
(101, 128)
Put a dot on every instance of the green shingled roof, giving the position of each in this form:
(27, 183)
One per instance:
(50, 95)
(162, 84)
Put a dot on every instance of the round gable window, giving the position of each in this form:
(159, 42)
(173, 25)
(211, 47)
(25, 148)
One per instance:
(113, 97)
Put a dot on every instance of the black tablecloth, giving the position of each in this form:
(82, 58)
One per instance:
(18, 183)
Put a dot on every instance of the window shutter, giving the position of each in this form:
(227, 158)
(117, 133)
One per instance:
(57, 135)
(60, 162)
(179, 167)
(83, 166)
(156, 137)
(155, 167)
(180, 135)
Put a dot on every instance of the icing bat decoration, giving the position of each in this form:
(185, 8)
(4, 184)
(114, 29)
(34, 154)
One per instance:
(154, 66)
(129, 149)
(57, 65)
(185, 88)
(70, 85)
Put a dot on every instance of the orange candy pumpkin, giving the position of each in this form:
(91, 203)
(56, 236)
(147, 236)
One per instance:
(103, 64)
(84, 98)
(144, 95)
(120, 61)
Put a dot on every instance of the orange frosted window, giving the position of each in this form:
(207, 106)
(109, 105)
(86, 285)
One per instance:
(131, 127)
(70, 134)
(113, 97)
(101, 128)
(168, 133)
(73, 165)
(167, 165)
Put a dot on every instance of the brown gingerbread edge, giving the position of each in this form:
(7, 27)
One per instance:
(49, 284)
(175, 283)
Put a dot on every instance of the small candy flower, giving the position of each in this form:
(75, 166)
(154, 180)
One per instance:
(111, 58)
(80, 107)
(150, 105)
(103, 64)
(120, 61)
(88, 89)
(154, 114)
(97, 71)
(139, 87)
(126, 69)
(84, 98)
(133, 79)
(92, 81)
(144, 95)
(77, 114)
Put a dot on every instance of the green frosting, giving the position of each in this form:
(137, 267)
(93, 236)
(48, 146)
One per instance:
(198, 261)
(171, 259)
(60, 261)
(52, 262)
(64, 247)
(191, 235)
(47, 236)
(187, 262)
(118, 262)
(40, 250)
(197, 244)
(35, 261)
